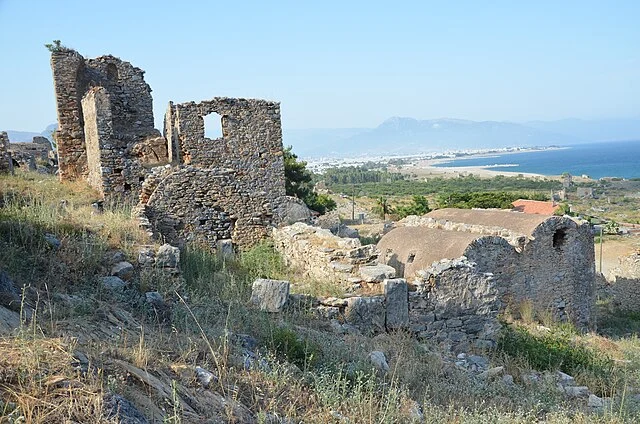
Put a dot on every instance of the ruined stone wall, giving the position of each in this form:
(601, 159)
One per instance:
(132, 142)
(456, 303)
(5, 159)
(624, 283)
(320, 255)
(251, 143)
(555, 269)
(205, 205)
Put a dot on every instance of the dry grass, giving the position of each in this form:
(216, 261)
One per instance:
(38, 383)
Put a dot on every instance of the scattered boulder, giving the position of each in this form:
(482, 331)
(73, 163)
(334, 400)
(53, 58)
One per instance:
(348, 232)
(168, 256)
(205, 377)
(122, 411)
(52, 241)
(291, 210)
(577, 391)
(147, 257)
(595, 401)
(123, 270)
(113, 283)
(270, 295)
(9, 296)
(379, 361)
(377, 273)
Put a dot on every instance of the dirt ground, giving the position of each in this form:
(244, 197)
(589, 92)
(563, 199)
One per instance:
(614, 247)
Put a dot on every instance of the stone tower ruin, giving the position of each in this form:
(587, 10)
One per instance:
(191, 188)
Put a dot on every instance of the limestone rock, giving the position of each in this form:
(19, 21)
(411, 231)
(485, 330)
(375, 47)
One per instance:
(123, 270)
(113, 283)
(205, 377)
(224, 248)
(121, 410)
(379, 361)
(377, 273)
(168, 256)
(366, 313)
(9, 321)
(270, 295)
(9, 296)
(292, 210)
(595, 401)
(147, 257)
(397, 303)
(577, 391)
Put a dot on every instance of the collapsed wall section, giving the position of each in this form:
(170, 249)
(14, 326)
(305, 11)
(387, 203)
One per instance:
(132, 139)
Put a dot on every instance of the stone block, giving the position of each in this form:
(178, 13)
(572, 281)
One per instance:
(168, 256)
(397, 303)
(270, 295)
(366, 313)
(123, 270)
(377, 273)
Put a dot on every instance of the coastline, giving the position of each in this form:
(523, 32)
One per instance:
(426, 168)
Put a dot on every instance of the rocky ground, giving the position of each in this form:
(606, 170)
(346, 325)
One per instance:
(98, 323)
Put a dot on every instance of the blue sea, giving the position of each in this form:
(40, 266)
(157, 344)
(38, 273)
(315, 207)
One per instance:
(602, 159)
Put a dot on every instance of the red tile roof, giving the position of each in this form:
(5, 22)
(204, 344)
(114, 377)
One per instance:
(535, 207)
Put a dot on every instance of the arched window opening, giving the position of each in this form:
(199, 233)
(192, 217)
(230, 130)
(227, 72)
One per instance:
(559, 238)
(112, 72)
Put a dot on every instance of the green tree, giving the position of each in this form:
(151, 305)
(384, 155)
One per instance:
(419, 206)
(56, 46)
(382, 208)
(298, 184)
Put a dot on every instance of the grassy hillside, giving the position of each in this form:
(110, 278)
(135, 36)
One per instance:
(84, 352)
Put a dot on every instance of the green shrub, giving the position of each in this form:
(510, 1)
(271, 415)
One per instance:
(299, 351)
(555, 350)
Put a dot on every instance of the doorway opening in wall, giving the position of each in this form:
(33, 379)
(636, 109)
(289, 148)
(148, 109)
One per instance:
(559, 237)
(212, 126)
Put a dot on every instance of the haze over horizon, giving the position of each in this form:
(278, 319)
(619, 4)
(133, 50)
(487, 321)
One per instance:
(335, 65)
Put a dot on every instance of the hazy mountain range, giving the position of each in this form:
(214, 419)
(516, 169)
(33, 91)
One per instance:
(412, 136)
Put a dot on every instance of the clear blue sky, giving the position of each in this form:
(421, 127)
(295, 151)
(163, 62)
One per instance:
(341, 63)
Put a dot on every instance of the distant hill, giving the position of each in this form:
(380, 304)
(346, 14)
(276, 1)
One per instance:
(27, 136)
(400, 135)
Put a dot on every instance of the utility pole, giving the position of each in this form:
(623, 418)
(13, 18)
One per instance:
(353, 203)
(600, 250)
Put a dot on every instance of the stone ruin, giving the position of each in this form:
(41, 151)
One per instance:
(5, 158)
(546, 260)
(35, 156)
(622, 284)
(453, 302)
(190, 188)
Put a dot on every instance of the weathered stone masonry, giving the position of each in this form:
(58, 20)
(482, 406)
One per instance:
(543, 259)
(112, 98)
(228, 188)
